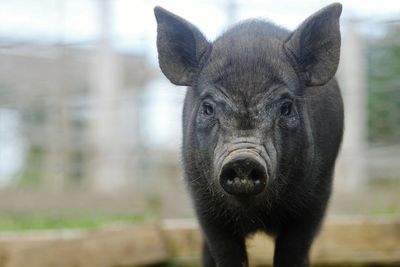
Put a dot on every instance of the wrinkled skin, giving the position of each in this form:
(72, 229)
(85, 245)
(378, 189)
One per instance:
(271, 94)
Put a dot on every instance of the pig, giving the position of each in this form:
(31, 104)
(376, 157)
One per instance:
(262, 127)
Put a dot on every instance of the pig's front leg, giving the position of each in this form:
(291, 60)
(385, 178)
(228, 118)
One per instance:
(221, 249)
(207, 259)
(293, 244)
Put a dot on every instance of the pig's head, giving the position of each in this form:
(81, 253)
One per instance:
(247, 121)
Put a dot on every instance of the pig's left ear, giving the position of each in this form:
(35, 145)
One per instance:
(180, 46)
(315, 45)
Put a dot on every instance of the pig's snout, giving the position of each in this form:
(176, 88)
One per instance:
(243, 174)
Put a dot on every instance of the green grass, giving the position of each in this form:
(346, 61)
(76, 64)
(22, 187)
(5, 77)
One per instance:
(391, 210)
(45, 222)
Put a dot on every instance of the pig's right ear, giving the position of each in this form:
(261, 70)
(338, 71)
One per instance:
(180, 46)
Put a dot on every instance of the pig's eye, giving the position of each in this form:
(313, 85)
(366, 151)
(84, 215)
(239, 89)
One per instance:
(286, 108)
(207, 109)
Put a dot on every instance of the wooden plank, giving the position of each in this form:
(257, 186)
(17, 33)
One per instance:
(183, 239)
(359, 240)
(121, 246)
(344, 240)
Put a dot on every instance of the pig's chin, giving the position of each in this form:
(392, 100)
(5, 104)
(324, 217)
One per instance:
(239, 206)
(243, 202)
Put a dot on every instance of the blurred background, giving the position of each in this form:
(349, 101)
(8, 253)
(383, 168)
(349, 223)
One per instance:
(90, 128)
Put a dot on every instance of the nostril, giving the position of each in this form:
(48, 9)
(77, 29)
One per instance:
(257, 176)
(228, 175)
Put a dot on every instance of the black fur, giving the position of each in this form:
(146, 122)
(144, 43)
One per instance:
(247, 76)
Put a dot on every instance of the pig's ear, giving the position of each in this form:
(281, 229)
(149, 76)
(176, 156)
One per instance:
(315, 45)
(180, 47)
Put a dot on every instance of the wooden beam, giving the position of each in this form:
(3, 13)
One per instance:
(344, 240)
(348, 240)
(121, 246)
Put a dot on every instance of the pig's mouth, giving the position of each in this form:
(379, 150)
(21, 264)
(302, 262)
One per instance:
(243, 173)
